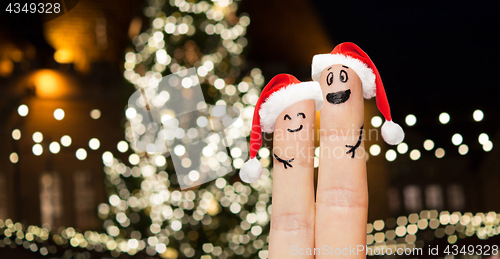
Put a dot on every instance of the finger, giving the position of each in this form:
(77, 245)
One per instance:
(342, 195)
(292, 217)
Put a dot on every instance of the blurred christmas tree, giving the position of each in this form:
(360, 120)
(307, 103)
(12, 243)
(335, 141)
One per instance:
(147, 210)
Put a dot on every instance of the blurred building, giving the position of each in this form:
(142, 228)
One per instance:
(62, 100)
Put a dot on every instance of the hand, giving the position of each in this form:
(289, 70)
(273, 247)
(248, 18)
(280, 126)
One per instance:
(334, 224)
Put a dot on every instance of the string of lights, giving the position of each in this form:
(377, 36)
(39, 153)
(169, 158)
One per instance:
(382, 234)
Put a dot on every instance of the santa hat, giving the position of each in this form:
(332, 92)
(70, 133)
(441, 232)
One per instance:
(349, 54)
(281, 92)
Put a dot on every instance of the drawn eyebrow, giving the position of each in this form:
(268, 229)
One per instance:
(301, 114)
(329, 69)
(287, 116)
(345, 66)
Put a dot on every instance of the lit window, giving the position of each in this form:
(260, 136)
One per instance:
(456, 197)
(393, 199)
(84, 200)
(50, 199)
(434, 197)
(3, 198)
(413, 200)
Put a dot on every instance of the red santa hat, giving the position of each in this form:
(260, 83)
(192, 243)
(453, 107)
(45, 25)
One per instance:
(281, 92)
(349, 54)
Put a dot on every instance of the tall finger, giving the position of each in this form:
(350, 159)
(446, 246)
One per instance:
(342, 194)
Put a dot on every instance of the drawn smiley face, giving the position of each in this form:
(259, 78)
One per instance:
(299, 115)
(338, 77)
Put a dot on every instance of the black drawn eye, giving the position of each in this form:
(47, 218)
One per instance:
(329, 78)
(287, 116)
(343, 76)
(301, 114)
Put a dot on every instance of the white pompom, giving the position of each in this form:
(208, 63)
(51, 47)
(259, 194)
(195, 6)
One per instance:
(392, 133)
(251, 171)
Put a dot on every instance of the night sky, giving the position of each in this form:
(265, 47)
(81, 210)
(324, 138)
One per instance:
(432, 57)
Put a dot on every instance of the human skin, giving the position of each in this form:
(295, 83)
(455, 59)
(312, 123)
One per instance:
(292, 217)
(342, 194)
(337, 218)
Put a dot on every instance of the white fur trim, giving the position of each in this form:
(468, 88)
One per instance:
(392, 133)
(322, 61)
(251, 170)
(278, 101)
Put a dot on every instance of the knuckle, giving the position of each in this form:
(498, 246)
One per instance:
(337, 197)
(292, 222)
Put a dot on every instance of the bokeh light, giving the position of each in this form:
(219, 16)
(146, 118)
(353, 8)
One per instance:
(375, 150)
(415, 154)
(376, 121)
(439, 153)
(488, 146)
(463, 149)
(37, 149)
(59, 114)
(478, 115)
(444, 118)
(81, 154)
(390, 155)
(23, 110)
(66, 140)
(411, 120)
(456, 139)
(94, 144)
(16, 134)
(37, 137)
(14, 158)
(54, 147)
(95, 114)
(428, 144)
(483, 138)
(122, 146)
(402, 148)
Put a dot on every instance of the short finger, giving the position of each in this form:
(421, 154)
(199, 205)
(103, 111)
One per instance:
(292, 217)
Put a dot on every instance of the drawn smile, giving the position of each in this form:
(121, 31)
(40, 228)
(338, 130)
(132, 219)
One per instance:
(338, 97)
(295, 130)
